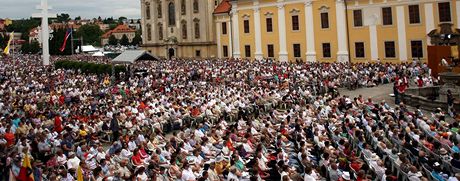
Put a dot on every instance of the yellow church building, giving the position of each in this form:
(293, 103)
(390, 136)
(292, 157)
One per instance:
(331, 30)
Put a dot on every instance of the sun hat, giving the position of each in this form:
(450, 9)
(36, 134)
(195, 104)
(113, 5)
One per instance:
(346, 175)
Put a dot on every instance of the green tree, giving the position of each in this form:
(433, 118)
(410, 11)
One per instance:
(124, 40)
(91, 34)
(109, 21)
(113, 40)
(63, 17)
(30, 48)
(2, 41)
(112, 26)
(136, 40)
(56, 42)
(121, 19)
(77, 18)
(23, 26)
(34, 47)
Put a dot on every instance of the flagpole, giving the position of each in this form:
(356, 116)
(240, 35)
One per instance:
(71, 39)
(13, 44)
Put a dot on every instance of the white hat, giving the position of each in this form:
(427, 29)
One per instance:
(346, 175)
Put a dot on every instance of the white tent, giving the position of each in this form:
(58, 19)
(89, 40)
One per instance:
(98, 54)
(130, 56)
(88, 49)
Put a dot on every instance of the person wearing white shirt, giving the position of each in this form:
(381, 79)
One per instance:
(187, 174)
(61, 158)
(132, 145)
(73, 162)
(309, 174)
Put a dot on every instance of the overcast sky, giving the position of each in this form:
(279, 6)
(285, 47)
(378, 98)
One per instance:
(16, 9)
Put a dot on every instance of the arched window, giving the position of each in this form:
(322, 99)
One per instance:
(149, 32)
(197, 29)
(159, 10)
(184, 29)
(171, 14)
(196, 8)
(160, 31)
(147, 10)
(183, 9)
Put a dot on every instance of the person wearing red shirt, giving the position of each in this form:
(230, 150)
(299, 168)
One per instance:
(58, 124)
(137, 160)
(420, 81)
(195, 111)
(9, 137)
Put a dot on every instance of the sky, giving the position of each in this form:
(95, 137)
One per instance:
(17, 9)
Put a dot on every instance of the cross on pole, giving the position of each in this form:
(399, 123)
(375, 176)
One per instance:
(44, 15)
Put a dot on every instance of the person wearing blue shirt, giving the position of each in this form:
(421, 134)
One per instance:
(437, 173)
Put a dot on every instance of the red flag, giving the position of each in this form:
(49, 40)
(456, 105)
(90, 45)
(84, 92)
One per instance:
(67, 35)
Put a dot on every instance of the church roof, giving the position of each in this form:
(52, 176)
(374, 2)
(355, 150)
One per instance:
(223, 7)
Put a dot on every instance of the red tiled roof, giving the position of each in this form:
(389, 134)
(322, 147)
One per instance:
(223, 7)
(119, 29)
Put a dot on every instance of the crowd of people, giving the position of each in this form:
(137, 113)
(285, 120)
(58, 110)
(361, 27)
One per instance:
(218, 120)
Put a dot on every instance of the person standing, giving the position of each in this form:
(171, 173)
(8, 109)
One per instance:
(450, 103)
(395, 89)
(115, 128)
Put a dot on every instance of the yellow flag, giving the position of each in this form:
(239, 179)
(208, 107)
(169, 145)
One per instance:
(79, 174)
(7, 48)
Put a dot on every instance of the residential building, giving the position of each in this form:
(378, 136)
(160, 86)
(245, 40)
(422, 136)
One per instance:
(118, 32)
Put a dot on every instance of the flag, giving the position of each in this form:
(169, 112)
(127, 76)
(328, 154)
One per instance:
(7, 48)
(67, 35)
(79, 174)
(26, 172)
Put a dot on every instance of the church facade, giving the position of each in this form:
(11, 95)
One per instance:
(332, 30)
(179, 28)
(298, 30)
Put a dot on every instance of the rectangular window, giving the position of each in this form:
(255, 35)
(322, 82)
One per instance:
(417, 49)
(327, 50)
(246, 26)
(225, 50)
(359, 49)
(444, 12)
(296, 48)
(358, 18)
(247, 51)
(295, 22)
(198, 53)
(269, 25)
(271, 51)
(224, 28)
(414, 14)
(324, 20)
(387, 16)
(390, 49)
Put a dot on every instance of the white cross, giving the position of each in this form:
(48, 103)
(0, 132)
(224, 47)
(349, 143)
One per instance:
(44, 15)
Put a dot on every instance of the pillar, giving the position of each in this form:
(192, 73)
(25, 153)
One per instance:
(235, 31)
(219, 44)
(283, 54)
(310, 28)
(258, 37)
(402, 41)
(342, 53)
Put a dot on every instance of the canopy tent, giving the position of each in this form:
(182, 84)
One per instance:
(98, 54)
(88, 49)
(130, 56)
